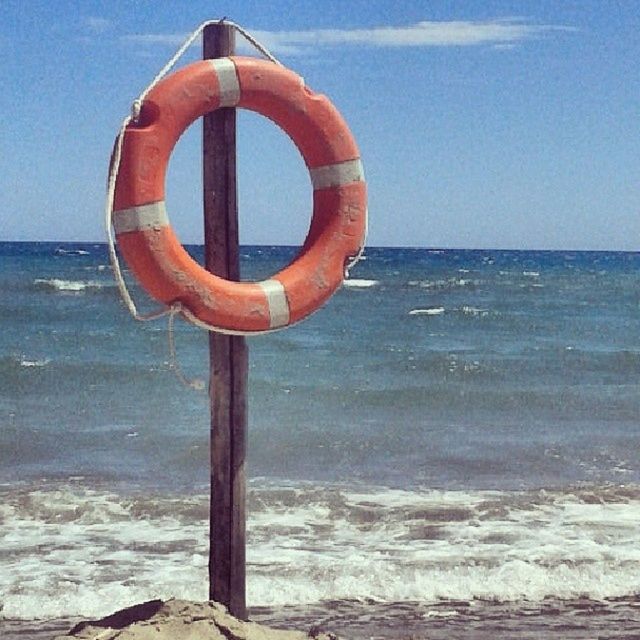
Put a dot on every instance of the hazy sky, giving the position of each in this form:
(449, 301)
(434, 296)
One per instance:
(481, 124)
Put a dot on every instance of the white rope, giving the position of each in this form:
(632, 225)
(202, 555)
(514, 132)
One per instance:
(252, 40)
(115, 168)
(137, 103)
(116, 160)
(175, 308)
(194, 383)
(353, 260)
(113, 256)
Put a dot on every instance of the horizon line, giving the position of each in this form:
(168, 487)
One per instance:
(369, 246)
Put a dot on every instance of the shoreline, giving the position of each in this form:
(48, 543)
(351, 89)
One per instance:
(578, 619)
(87, 551)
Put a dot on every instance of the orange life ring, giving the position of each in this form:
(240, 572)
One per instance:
(338, 224)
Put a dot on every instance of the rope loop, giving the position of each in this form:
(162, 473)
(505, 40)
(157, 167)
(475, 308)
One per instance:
(125, 295)
(188, 42)
(193, 383)
(136, 106)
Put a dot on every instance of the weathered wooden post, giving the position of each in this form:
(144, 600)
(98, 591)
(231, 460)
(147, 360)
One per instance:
(136, 208)
(228, 354)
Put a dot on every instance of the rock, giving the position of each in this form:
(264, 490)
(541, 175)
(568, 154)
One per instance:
(180, 620)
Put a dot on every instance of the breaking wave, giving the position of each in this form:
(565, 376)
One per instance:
(57, 285)
(86, 551)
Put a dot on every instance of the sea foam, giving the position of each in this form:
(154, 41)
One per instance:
(87, 551)
(67, 286)
(431, 311)
(38, 362)
(359, 283)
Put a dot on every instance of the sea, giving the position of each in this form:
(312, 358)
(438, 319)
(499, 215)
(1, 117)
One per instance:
(449, 448)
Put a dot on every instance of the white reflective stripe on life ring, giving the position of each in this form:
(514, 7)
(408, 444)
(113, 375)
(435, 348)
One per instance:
(277, 301)
(146, 216)
(336, 175)
(228, 81)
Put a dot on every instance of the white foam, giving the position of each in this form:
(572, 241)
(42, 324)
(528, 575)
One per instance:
(66, 286)
(71, 252)
(474, 311)
(41, 362)
(69, 550)
(359, 283)
(449, 283)
(431, 311)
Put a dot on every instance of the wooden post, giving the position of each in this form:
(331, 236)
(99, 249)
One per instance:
(228, 354)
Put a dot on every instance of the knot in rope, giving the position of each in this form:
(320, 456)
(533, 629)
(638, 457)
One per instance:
(136, 107)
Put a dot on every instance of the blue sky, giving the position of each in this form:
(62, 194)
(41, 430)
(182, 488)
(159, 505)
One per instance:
(481, 124)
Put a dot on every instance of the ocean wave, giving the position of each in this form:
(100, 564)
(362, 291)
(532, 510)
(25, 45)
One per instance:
(99, 267)
(464, 310)
(359, 283)
(12, 362)
(28, 362)
(445, 284)
(86, 551)
(474, 311)
(58, 285)
(71, 252)
(430, 311)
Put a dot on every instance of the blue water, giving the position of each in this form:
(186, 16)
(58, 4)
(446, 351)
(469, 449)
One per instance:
(476, 407)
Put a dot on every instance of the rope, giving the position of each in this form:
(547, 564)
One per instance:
(137, 104)
(176, 308)
(353, 260)
(125, 295)
(194, 383)
(115, 167)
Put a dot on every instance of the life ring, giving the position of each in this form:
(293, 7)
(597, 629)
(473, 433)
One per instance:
(338, 224)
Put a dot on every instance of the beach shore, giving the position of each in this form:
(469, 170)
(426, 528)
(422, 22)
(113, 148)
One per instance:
(579, 619)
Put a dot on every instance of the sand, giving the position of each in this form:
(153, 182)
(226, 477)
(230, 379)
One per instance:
(180, 620)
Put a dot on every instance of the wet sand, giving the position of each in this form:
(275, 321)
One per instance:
(475, 620)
